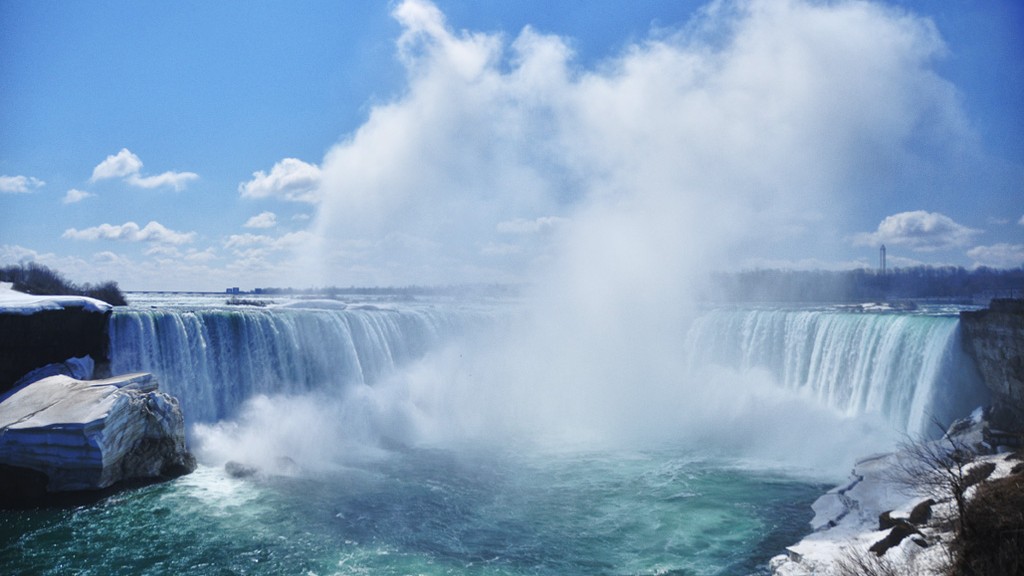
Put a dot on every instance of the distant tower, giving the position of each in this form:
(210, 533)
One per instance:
(881, 259)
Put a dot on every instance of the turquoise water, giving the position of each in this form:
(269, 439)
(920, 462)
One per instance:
(431, 512)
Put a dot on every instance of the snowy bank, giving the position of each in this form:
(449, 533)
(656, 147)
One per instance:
(39, 330)
(879, 522)
(14, 302)
(61, 434)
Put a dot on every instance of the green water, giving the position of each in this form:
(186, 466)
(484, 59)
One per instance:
(431, 512)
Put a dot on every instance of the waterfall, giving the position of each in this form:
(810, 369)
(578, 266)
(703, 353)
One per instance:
(908, 368)
(214, 358)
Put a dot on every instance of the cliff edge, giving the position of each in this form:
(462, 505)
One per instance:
(40, 330)
(994, 337)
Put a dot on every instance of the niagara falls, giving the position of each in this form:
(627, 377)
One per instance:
(705, 287)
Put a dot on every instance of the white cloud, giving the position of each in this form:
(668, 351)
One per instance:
(130, 232)
(262, 220)
(119, 165)
(75, 195)
(919, 231)
(1021, 221)
(19, 184)
(292, 240)
(535, 226)
(207, 255)
(290, 179)
(998, 255)
(500, 249)
(176, 180)
(15, 254)
(247, 239)
(128, 167)
(107, 258)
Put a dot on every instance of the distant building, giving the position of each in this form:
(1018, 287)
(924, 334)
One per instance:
(234, 290)
(881, 259)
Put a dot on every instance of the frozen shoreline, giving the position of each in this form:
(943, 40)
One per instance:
(14, 302)
(846, 524)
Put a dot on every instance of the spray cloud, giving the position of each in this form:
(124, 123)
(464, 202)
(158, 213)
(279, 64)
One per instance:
(611, 189)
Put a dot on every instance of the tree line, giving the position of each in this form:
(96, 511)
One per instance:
(40, 280)
(951, 283)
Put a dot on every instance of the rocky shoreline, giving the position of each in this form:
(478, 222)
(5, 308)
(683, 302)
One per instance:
(881, 522)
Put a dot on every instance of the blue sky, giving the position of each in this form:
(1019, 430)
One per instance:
(201, 145)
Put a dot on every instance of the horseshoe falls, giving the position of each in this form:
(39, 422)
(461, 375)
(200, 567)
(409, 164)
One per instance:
(391, 439)
(908, 368)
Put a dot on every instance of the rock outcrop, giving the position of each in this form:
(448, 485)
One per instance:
(40, 330)
(994, 337)
(60, 434)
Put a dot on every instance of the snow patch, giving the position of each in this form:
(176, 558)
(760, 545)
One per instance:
(14, 302)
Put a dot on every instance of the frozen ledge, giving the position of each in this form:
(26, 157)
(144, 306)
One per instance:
(60, 434)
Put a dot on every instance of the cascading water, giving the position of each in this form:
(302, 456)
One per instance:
(908, 368)
(291, 391)
(215, 358)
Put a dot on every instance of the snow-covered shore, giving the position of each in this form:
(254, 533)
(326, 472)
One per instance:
(846, 525)
(14, 302)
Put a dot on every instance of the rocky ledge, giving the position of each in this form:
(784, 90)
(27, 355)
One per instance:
(994, 337)
(62, 435)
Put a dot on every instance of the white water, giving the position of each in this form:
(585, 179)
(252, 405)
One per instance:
(906, 368)
(320, 386)
(214, 358)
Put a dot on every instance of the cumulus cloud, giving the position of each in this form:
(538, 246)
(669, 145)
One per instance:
(75, 195)
(290, 179)
(1001, 255)
(131, 232)
(128, 167)
(15, 254)
(20, 184)
(919, 231)
(262, 220)
(119, 165)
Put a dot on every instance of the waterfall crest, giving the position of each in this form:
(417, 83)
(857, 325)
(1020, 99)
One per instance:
(213, 359)
(908, 368)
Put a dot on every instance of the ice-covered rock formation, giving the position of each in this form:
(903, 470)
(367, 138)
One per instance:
(60, 434)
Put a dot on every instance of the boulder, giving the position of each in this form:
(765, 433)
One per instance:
(922, 512)
(900, 530)
(90, 434)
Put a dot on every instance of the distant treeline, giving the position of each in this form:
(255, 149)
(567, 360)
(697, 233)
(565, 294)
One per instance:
(950, 283)
(37, 279)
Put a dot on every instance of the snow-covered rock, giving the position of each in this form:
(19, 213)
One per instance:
(86, 435)
(36, 331)
(846, 525)
(14, 302)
